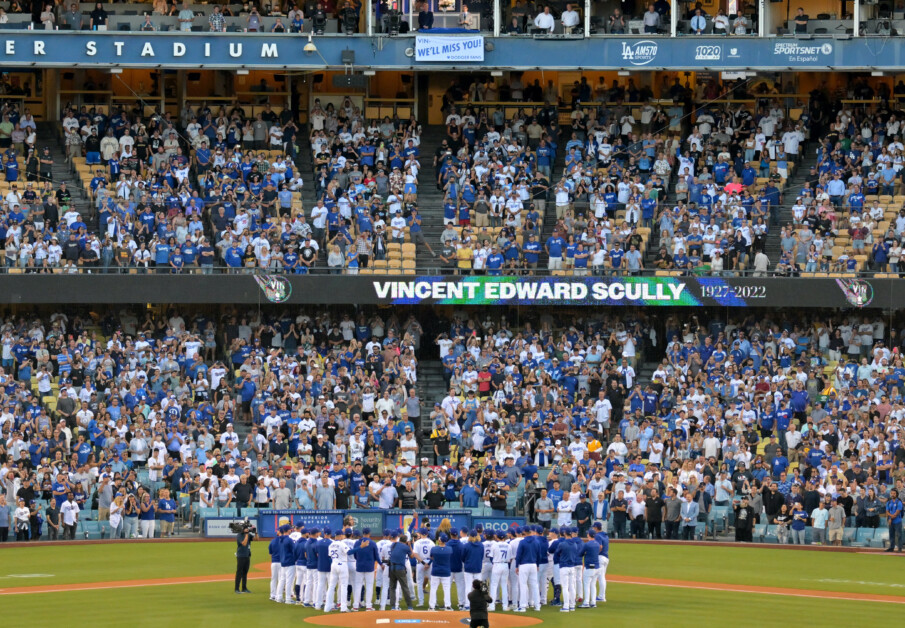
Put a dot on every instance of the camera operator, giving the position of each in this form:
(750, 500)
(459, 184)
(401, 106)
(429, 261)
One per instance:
(243, 556)
(478, 599)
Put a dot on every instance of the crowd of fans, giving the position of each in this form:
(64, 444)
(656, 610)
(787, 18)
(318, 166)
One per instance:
(214, 188)
(131, 415)
(628, 189)
(791, 420)
(310, 15)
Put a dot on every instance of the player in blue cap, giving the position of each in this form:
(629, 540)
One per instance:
(526, 561)
(472, 560)
(603, 540)
(285, 585)
(441, 572)
(301, 564)
(366, 560)
(555, 540)
(590, 556)
(455, 563)
(273, 548)
(544, 565)
(323, 568)
(567, 552)
(311, 547)
(383, 571)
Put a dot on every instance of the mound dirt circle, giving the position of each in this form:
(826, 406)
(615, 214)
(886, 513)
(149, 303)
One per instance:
(431, 619)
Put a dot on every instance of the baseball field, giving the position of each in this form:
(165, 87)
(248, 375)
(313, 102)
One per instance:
(190, 584)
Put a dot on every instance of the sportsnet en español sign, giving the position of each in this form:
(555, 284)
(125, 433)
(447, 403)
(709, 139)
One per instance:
(449, 48)
(537, 291)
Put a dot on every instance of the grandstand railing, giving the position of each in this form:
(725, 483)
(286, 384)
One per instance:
(432, 270)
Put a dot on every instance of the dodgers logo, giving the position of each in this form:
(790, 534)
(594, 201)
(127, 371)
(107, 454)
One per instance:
(639, 53)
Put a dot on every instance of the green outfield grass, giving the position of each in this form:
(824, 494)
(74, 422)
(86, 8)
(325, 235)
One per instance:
(214, 604)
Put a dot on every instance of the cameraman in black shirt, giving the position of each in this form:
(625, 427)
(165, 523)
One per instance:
(244, 537)
(478, 599)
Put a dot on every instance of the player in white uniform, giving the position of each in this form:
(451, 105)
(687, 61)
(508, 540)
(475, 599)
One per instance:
(350, 565)
(297, 536)
(528, 593)
(499, 573)
(487, 564)
(338, 581)
(383, 571)
(514, 541)
(422, 547)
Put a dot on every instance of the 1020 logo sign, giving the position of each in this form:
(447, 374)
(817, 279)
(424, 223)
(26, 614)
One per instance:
(708, 53)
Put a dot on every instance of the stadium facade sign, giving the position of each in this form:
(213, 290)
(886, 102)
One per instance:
(673, 291)
(39, 48)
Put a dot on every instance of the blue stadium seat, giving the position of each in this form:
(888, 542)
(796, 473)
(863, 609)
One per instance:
(89, 530)
(700, 530)
(848, 536)
(249, 512)
(880, 538)
(204, 513)
(229, 511)
(863, 537)
(719, 519)
(764, 533)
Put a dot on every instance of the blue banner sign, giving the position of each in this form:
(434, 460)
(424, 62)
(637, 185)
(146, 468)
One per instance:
(498, 524)
(267, 50)
(270, 520)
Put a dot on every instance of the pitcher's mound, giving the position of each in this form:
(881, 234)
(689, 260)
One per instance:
(435, 619)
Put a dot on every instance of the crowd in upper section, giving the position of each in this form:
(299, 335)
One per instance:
(617, 183)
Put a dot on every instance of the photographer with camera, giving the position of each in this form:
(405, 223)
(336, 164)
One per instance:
(245, 534)
(478, 599)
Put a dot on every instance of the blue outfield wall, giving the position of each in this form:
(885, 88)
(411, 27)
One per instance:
(266, 51)
(377, 520)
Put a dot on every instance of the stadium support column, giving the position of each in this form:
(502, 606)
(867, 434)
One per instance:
(764, 16)
(856, 17)
(52, 94)
(673, 18)
(587, 18)
(370, 14)
(181, 91)
(496, 18)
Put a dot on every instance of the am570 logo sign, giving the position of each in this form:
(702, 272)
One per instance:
(708, 53)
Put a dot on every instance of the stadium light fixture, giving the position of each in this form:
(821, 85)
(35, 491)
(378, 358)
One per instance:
(310, 48)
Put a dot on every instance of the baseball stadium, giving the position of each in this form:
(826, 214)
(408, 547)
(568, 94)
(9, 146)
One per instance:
(362, 312)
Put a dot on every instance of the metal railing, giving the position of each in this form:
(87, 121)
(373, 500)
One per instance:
(433, 270)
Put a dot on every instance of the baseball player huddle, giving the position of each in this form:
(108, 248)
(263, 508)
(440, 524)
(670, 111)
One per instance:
(324, 570)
